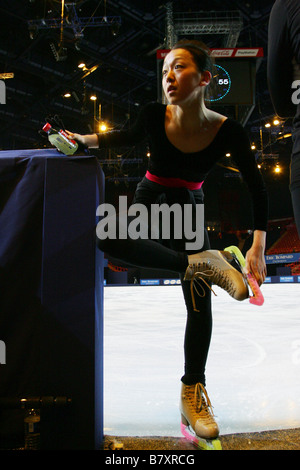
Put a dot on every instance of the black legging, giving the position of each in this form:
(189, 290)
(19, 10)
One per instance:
(155, 255)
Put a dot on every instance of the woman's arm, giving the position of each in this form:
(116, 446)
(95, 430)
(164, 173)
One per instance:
(246, 162)
(88, 140)
(255, 256)
(119, 138)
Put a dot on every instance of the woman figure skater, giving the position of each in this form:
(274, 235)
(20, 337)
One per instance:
(186, 140)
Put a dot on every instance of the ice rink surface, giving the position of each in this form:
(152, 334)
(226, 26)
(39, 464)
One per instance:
(253, 369)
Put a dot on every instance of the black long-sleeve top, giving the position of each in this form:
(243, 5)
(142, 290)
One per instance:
(169, 162)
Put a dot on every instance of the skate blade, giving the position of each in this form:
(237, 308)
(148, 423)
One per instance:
(200, 443)
(257, 298)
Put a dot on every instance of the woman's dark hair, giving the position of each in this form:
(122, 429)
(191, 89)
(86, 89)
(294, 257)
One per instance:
(202, 58)
(199, 51)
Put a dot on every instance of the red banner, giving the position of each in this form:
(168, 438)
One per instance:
(224, 52)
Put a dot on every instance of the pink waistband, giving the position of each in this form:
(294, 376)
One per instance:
(173, 182)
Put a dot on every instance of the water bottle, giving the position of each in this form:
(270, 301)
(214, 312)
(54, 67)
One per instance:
(60, 140)
(32, 429)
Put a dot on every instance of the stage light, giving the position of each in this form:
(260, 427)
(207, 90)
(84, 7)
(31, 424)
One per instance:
(67, 95)
(277, 169)
(276, 122)
(253, 147)
(267, 124)
(228, 155)
(103, 127)
(83, 67)
(93, 97)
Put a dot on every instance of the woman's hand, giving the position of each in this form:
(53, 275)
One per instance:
(78, 137)
(88, 140)
(255, 257)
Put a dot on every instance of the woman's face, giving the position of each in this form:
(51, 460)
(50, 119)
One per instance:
(182, 81)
